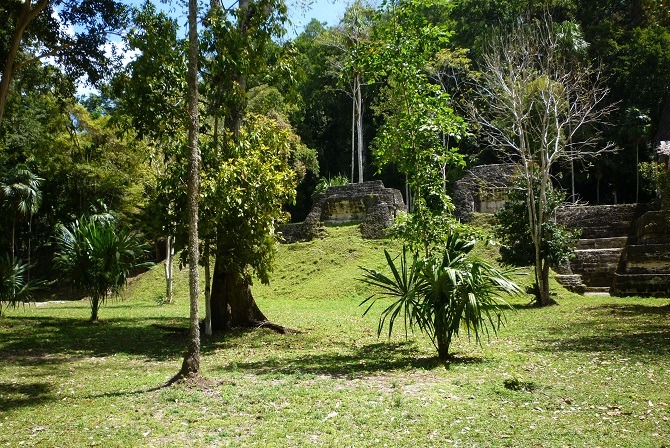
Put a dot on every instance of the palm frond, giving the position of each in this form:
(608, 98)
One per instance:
(443, 293)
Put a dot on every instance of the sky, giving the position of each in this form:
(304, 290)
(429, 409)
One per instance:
(300, 13)
(329, 11)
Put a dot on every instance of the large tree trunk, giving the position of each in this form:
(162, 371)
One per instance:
(232, 303)
(27, 16)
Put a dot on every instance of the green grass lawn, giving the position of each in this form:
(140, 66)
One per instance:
(592, 372)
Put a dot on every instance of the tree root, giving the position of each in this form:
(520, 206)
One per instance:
(251, 324)
(274, 327)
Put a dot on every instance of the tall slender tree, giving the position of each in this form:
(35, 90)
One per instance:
(191, 364)
(350, 38)
(538, 107)
(245, 41)
(415, 111)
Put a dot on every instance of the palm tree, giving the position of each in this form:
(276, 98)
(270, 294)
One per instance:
(97, 256)
(441, 293)
(20, 196)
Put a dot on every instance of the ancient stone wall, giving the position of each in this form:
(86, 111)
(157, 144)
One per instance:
(644, 268)
(483, 190)
(370, 203)
(601, 221)
(606, 230)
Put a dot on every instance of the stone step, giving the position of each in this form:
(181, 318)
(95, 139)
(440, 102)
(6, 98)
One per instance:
(657, 285)
(616, 230)
(599, 291)
(571, 282)
(596, 266)
(617, 242)
(647, 258)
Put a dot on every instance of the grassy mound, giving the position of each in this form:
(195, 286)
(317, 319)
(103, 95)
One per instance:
(590, 372)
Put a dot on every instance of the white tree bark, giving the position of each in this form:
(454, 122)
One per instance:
(536, 105)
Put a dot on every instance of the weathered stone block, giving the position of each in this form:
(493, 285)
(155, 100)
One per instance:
(654, 227)
(647, 285)
(483, 190)
(370, 203)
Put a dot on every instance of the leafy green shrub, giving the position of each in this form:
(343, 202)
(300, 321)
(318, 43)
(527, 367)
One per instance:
(513, 229)
(658, 177)
(97, 256)
(441, 293)
(326, 182)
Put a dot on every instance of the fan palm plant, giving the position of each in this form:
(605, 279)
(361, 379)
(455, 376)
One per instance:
(97, 256)
(442, 293)
(14, 286)
(20, 196)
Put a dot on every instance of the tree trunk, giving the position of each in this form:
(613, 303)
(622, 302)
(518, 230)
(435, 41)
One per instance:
(637, 172)
(191, 364)
(573, 197)
(30, 234)
(13, 239)
(359, 126)
(443, 339)
(95, 306)
(353, 131)
(232, 303)
(27, 15)
(169, 252)
(208, 290)
(543, 286)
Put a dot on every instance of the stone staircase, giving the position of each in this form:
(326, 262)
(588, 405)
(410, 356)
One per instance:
(606, 232)
(644, 267)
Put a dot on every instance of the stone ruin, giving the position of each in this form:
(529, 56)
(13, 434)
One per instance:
(483, 190)
(369, 203)
(624, 250)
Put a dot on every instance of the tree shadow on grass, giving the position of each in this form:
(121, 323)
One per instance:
(630, 330)
(16, 395)
(48, 340)
(367, 360)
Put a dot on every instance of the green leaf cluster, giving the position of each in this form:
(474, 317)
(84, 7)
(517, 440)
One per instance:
(442, 293)
(512, 228)
(15, 287)
(247, 192)
(97, 256)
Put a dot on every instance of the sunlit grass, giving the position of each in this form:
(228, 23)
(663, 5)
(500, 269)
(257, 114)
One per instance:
(590, 372)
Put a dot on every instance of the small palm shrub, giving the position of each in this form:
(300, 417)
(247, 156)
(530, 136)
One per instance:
(97, 257)
(326, 182)
(14, 286)
(442, 293)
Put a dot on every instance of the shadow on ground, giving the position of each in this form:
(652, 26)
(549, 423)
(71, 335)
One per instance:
(361, 361)
(47, 340)
(16, 395)
(630, 330)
